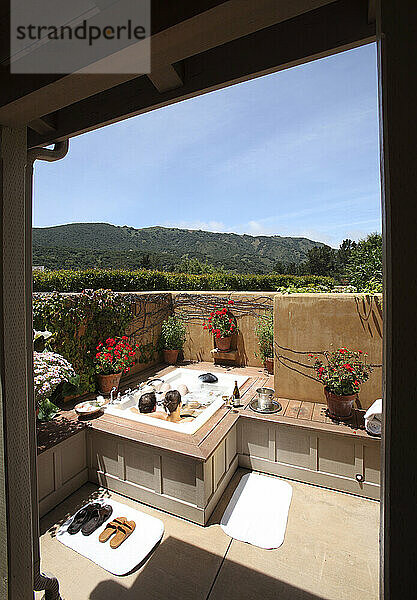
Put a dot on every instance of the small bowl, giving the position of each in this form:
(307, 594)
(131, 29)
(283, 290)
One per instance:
(88, 408)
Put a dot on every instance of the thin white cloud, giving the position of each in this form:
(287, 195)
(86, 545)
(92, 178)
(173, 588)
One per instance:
(214, 226)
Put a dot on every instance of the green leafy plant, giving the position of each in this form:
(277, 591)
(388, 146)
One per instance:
(264, 330)
(146, 352)
(373, 286)
(343, 372)
(47, 410)
(173, 334)
(221, 322)
(365, 263)
(79, 323)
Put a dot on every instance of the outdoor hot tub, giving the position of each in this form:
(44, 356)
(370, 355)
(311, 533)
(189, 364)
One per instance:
(208, 395)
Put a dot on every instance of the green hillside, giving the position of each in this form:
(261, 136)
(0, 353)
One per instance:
(89, 245)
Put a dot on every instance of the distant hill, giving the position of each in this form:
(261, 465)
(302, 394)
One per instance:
(101, 245)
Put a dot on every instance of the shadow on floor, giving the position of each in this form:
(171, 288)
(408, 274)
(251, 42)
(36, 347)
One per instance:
(227, 494)
(165, 576)
(88, 493)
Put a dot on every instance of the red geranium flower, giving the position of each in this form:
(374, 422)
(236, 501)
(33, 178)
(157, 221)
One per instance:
(343, 371)
(221, 322)
(117, 356)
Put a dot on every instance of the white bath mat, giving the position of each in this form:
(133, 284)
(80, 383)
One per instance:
(132, 552)
(258, 510)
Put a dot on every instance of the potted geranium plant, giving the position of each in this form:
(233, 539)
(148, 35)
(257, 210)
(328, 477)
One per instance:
(113, 358)
(49, 370)
(342, 375)
(222, 324)
(172, 339)
(264, 330)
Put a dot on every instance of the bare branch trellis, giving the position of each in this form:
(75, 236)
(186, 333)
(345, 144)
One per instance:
(194, 308)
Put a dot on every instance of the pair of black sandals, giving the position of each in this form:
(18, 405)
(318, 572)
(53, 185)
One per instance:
(89, 518)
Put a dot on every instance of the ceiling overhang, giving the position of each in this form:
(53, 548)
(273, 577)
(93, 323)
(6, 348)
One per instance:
(229, 42)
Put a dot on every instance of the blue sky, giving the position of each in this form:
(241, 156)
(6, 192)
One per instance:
(293, 153)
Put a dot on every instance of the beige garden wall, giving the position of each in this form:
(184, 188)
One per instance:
(319, 322)
(195, 307)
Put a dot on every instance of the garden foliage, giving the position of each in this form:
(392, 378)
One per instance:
(172, 334)
(144, 280)
(79, 323)
(264, 330)
(364, 267)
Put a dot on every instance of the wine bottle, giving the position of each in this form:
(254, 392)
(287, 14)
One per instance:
(236, 395)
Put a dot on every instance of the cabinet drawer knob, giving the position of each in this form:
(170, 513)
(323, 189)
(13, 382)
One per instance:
(359, 478)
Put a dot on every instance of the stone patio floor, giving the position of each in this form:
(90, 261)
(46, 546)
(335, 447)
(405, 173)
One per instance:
(330, 552)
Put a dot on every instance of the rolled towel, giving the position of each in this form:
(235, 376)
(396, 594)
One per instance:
(373, 418)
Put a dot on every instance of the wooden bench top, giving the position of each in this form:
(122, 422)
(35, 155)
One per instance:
(312, 415)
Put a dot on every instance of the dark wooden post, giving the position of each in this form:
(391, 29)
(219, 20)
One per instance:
(398, 104)
(17, 419)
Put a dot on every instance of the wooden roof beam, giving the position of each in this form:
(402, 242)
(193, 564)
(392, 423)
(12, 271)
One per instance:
(44, 125)
(333, 28)
(222, 24)
(166, 78)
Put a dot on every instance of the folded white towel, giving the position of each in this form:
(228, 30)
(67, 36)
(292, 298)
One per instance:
(373, 418)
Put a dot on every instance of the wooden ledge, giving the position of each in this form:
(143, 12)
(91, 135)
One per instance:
(314, 416)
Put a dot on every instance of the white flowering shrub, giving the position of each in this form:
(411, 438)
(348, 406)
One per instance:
(50, 369)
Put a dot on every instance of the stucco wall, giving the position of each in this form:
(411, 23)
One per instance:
(195, 307)
(319, 322)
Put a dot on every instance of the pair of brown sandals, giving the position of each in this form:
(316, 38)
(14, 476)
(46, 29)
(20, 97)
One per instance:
(118, 530)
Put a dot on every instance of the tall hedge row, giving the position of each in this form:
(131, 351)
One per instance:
(143, 280)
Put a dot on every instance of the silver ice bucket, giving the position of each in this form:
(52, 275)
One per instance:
(265, 398)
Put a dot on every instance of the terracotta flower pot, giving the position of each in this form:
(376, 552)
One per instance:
(269, 365)
(171, 356)
(223, 343)
(340, 407)
(107, 382)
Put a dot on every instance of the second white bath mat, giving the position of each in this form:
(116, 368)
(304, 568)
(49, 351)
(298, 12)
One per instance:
(258, 511)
